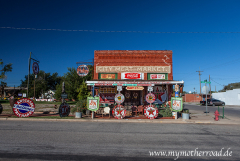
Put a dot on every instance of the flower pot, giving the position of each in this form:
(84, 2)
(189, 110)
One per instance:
(185, 116)
(78, 114)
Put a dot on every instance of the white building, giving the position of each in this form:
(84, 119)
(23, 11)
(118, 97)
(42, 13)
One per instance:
(231, 97)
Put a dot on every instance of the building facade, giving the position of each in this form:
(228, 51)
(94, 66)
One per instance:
(134, 71)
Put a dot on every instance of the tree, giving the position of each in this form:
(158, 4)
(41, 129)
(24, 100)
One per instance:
(230, 86)
(43, 83)
(5, 68)
(75, 85)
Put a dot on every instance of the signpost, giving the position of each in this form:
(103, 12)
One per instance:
(205, 81)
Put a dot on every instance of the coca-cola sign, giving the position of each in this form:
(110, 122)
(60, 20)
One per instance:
(132, 75)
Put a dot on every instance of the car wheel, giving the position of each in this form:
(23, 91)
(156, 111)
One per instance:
(223, 104)
(213, 104)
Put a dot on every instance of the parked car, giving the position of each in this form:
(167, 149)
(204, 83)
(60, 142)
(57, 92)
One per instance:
(213, 102)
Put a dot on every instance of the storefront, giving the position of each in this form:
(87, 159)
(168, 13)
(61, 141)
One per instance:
(133, 71)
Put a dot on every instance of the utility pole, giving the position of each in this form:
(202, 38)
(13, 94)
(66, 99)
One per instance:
(210, 87)
(199, 73)
(29, 63)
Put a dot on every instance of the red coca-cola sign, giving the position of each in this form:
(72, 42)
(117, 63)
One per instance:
(131, 75)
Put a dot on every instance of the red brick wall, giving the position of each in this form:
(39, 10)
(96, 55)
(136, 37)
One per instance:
(132, 58)
(192, 98)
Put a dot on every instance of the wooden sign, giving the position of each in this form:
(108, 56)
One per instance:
(134, 88)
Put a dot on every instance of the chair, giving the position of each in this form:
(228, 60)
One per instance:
(134, 110)
(140, 109)
(106, 111)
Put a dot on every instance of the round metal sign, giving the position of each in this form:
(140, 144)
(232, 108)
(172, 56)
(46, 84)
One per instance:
(150, 97)
(151, 112)
(64, 110)
(24, 107)
(119, 98)
(119, 112)
(82, 70)
(35, 68)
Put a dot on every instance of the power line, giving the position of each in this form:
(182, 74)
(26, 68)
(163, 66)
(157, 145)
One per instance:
(148, 32)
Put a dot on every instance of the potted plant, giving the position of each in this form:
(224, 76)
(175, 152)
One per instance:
(79, 108)
(185, 114)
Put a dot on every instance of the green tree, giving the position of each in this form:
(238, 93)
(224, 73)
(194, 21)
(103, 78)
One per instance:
(75, 85)
(230, 86)
(5, 69)
(43, 83)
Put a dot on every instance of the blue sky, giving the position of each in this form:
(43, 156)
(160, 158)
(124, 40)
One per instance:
(217, 54)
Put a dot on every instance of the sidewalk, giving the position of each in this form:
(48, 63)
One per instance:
(195, 118)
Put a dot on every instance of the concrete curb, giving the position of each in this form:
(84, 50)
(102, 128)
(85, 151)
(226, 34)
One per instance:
(179, 121)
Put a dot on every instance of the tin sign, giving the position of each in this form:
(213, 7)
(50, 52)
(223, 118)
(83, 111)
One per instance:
(64, 110)
(150, 97)
(132, 75)
(134, 88)
(82, 70)
(24, 107)
(150, 88)
(176, 104)
(93, 103)
(119, 98)
(119, 112)
(119, 88)
(151, 112)
(35, 68)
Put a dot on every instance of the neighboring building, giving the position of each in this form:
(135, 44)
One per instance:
(10, 91)
(195, 97)
(231, 97)
(134, 70)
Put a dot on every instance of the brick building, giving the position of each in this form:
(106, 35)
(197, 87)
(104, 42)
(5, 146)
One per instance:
(134, 70)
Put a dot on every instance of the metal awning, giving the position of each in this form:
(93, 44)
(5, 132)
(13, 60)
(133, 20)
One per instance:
(132, 83)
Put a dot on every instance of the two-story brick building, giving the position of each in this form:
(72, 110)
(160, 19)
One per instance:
(134, 70)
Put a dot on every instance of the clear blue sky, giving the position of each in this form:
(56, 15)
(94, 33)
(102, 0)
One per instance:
(217, 54)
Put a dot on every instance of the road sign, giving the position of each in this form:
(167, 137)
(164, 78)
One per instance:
(205, 82)
(64, 95)
(119, 88)
(35, 68)
(64, 110)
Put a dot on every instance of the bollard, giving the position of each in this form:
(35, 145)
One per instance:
(223, 113)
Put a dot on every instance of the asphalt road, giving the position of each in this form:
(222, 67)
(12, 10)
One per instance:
(229, 111)
(36, 140)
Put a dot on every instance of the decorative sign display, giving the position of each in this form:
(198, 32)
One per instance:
(119, 88)
(64, 110)
(134, 88)
(150, 112)
(176, 87)
(24, 107)
(93, 103)
(19, 94)
(35, 68)
(119, 112)
(137, 69)
(157, 76)
(132, 75)
(107, 97)
(82, 70)
(107, 76)
(176, 104)
(150, 88)
(150, 97)
(119, 98)
(24, 94)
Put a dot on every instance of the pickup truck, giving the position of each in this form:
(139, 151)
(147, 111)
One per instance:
(213, 102)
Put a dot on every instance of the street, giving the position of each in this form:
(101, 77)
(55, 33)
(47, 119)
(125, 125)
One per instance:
(58, 140)
(229, 111)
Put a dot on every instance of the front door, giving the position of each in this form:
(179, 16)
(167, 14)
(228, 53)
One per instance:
(132, 97)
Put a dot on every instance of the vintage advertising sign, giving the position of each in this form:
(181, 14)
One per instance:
(35, 68)
(119, 98)
(133, 69)
(24, 107)
(132, 75)
(64, 110)
(157, 76)
(177, 104)
(119, 88)
(107, 76)
(150, 98)
(119, 112)
(134, 88)
(82, 70)
(93, 103)
(151, 112)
